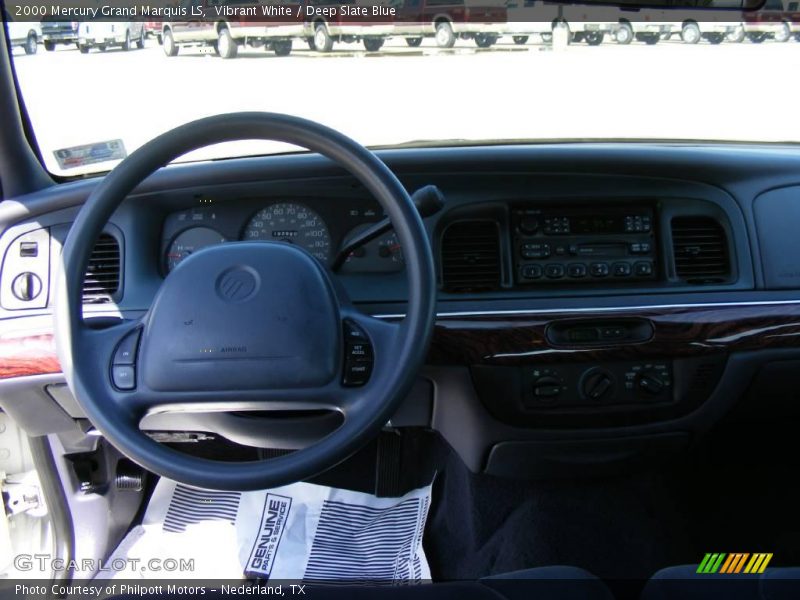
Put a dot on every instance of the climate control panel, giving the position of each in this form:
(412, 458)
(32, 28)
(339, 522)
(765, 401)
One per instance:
(619, 383)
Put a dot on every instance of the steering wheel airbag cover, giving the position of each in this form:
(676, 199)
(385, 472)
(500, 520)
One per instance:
(250, 315)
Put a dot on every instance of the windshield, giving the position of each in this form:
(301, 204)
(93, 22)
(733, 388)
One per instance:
(405, 72)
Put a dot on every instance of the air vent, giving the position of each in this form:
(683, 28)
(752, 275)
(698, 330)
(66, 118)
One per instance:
(102, 274)
(470, 257)
(700, 248)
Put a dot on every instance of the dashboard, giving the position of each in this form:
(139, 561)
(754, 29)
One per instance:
(594, 300)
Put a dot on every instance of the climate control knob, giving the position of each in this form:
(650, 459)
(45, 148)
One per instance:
(597, 384)
(651, 382)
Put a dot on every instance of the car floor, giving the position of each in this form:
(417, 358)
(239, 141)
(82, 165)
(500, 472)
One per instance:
(735, 492)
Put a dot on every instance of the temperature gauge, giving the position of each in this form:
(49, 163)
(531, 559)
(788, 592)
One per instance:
(381, 255)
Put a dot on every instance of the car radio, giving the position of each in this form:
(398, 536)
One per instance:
(583, 245)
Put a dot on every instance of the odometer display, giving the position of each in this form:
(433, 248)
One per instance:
(293, 223)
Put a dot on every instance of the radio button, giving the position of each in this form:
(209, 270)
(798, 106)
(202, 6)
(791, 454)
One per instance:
(529, 225)
(531, 271)
(643, 269)
(599, 269)
(577, 270)
(535, 250)
(554, 271)
(621, 269)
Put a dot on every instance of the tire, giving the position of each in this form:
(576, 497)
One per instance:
(84, 49)
(650, 39)
(690, 34)
(624, 34)
(445, 38)
(715, 38)
(756, 38)
(170, 47)
(414, 42)
(737, 36)
(31, 44)
(159, 39)
(323, 42)
(102, 47)
(519, 40)
(594, 38)
(49, 46)
(784, 35)
(282, 48)
(126, 45)
(373, 44)
(484, 40)
(226, 46)
(140, 41)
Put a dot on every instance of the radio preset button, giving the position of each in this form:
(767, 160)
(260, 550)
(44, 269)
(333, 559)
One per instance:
(621, 269)
(599, 269)
(643, 269)
(532, 271)
(554, 271)
(577, 270)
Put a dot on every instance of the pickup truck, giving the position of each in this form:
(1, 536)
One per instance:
(234, 28)
(770, 21)
(483, 21)
(59, 32)
(329, 21)
(24, 35)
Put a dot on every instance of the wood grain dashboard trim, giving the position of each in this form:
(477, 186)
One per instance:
(519, 338)
(26, 355)
(679, 332)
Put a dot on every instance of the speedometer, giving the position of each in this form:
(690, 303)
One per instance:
(293, 223)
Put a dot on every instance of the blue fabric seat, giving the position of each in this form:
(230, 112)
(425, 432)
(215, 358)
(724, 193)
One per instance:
(684, 583)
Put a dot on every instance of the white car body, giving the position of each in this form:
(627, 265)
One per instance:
(102, 34)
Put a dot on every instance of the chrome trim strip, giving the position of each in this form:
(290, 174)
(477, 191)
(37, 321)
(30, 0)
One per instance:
(531, 311)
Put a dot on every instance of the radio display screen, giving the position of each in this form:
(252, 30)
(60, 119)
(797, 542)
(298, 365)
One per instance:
(597, 224)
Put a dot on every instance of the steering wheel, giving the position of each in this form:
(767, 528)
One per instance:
(245, 325)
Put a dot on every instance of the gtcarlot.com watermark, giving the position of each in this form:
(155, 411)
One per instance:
(46, 563)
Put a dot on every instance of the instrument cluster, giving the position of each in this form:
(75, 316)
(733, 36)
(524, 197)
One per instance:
(319, 227)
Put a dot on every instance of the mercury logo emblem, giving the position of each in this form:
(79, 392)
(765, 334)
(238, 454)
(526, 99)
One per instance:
(237, 284)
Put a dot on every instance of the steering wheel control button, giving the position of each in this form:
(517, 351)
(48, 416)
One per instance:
(126, 350)
(358, 355)
(123, 377)
(26, 286)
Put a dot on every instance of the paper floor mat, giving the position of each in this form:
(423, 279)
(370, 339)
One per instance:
(298, 532)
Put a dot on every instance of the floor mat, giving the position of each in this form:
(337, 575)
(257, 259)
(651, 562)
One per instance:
(297, 532)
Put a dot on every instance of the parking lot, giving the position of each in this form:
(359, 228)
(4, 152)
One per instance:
(668, 91)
